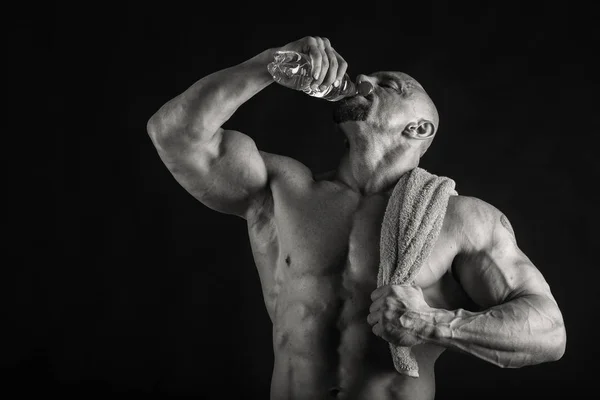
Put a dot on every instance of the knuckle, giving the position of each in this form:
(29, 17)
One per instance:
(388, 328)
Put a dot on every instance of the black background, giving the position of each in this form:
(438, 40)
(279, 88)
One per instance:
(120, 284)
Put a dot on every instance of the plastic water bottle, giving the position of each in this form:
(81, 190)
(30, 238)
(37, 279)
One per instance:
(294, 70)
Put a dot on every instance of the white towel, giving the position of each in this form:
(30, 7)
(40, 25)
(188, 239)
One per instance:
(412, 221)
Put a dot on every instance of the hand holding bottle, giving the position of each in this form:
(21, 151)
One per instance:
(328, 67)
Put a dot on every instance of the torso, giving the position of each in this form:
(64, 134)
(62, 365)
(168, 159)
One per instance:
(316, 247)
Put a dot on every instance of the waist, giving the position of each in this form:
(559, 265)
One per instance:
(303, 378)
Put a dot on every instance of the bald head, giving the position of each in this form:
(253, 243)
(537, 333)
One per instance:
(397, 103)
(423, 106)
(424, 111)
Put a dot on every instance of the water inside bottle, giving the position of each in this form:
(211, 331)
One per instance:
(291, 70)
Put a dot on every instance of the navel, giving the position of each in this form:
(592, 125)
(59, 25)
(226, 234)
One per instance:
(334, 391)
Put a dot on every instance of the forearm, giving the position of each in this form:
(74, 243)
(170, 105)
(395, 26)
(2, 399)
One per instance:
(524, 331)
(196, 114)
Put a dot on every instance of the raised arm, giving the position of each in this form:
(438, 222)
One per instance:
(223, 168)
(519, 322)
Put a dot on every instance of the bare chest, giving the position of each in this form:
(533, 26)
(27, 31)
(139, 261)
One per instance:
(325, 243)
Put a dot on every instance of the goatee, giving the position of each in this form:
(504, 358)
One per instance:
(349, 110)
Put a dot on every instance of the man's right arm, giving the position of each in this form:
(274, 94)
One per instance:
(221, 168)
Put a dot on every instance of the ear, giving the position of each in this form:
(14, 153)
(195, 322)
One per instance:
(419, 130)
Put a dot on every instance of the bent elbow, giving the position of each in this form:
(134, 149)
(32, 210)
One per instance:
(151, 128)
(168, 124)
(554, 345)
(555, 338)
(164, 135)
(155, 127)
(558, 344)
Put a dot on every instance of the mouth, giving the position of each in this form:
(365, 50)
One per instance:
(360, 98)
(365, 88)
(354, 101)
(361, 95)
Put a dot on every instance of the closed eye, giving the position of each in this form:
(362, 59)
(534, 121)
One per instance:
(390, 85)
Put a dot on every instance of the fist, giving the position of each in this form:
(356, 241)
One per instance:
(328, 67)
(398, 314)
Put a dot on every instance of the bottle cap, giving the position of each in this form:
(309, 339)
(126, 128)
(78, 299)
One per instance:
(365, 88)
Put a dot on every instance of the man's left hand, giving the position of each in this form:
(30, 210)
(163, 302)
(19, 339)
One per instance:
(398, 314)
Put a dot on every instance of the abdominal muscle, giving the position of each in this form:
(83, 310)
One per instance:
(317, 253)
(325, 349)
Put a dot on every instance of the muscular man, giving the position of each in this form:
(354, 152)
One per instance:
(315, 240)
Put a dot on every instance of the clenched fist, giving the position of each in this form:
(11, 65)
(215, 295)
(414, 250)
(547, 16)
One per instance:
(328, 67)
(400, 315)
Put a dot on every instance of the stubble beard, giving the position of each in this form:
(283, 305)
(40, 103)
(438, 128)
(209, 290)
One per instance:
(349, 110)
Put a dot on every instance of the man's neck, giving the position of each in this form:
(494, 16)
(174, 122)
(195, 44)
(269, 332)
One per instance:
(369, 170)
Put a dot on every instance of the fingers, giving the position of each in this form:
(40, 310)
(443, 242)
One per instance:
(377, 329)
(383, 307)
(380, 291)
(341, 69)
(321, 65)
(316, 56)
(331, 73)
(376, 305)
(373, 317)
(328, 67)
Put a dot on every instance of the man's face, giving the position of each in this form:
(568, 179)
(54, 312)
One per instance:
(389, 107)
